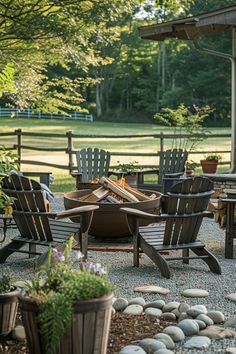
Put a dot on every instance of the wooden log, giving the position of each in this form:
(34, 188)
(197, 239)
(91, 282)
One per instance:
(95, 195)
(141, 196)
(113, 186)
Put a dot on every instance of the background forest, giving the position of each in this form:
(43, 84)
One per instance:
(62, 55)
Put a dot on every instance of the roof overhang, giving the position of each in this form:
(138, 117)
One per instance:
(191, 27)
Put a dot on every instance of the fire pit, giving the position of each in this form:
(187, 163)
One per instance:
(108, 220)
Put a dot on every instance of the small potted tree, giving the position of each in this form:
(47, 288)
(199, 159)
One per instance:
(210, 163)
(67, 310)
(128, 170)
(190, 167)
(8, 303)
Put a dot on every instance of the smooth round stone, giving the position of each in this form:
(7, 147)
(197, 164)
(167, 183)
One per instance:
(151, 345)
(166, 339)
(197, 342)
(189, 327)
(151, 311)
(168, 316)
(170, 306)
(164, 351)
(175, 312)
(195, 293)
(18, 333)
(113, 311)
(201, 324)
(196, 310)
(152, 289)
(137, 301)
(120, 304)
(231, 297)
(132, 349)
(230, 350)
(183, 307)
(231, 322)
(184, 316)
(175, 333)
(208, 321)
(134, 310)
(156, 304)
(216, 316)
(215, 332)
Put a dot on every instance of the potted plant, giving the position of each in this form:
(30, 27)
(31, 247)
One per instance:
(8, 303)
(67, 307)
(190, 167)
(7, 163)
(128, 170)
(210, 163)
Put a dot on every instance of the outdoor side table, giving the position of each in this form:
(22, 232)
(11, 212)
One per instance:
(44, 177)
(230, 231)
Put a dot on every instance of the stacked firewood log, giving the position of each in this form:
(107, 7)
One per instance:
(119, 191)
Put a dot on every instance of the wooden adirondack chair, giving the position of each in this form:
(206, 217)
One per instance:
(91, 164)
(186, 207)
(172, 164)
(38, 226)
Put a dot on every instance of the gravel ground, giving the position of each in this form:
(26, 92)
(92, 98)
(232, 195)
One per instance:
(194, 275)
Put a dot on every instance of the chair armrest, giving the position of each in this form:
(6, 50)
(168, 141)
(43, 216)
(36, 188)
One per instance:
(173, 175)
(75, 174)
(76, 211)
(139, 213)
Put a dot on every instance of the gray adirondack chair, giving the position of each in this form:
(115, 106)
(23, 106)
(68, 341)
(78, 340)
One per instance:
(172, 165)
(38, 226)
(91, 164)
(186, 206)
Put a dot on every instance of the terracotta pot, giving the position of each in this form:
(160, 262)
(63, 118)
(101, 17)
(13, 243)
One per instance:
(108, 220)
(209, 166)
(88, 333)
(8, 311)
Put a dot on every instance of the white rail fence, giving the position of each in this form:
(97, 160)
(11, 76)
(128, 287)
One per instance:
(29, 113)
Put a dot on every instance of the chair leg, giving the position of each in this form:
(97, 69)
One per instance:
(83, 238)
(7, 250)
(32, 248)
(136, 245)
(156, 258)
(211, 260)
(185, 253)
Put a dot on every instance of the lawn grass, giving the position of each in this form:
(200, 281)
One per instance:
(63, 182)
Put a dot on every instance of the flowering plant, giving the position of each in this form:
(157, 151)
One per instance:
(61, 281)
(7, 163)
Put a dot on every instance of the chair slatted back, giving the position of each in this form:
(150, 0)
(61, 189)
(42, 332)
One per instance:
(92, 163)
(29, 202)
(172, 161)
(189, 199)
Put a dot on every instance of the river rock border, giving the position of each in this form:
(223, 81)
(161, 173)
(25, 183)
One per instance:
(195, 323)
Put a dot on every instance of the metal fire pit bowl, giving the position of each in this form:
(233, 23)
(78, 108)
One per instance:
(108, 220)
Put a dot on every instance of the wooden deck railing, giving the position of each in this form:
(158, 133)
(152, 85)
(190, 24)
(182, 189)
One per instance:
(69, 138)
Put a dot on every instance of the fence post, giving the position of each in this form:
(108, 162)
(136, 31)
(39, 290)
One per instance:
(69, 149)
(161, 142)
(18, 133)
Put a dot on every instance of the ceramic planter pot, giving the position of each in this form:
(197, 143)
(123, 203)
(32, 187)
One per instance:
(8, 311)
(88, 333)
(209, 166)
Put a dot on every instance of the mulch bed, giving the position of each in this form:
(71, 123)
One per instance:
(125, 329)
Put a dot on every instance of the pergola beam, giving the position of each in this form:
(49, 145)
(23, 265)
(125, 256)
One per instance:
(190, 29)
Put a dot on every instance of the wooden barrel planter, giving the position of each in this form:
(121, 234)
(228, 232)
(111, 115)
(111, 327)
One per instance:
(88, 333)
(108, 220)
(8, 311)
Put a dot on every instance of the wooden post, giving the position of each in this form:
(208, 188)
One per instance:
(18, 133)
(69, 135)
(161, 142)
